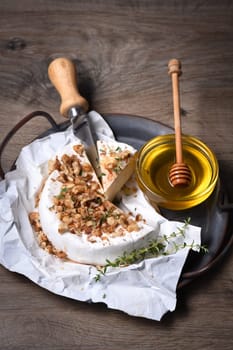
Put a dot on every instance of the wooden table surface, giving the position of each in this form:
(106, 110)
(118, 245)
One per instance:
(121, 49)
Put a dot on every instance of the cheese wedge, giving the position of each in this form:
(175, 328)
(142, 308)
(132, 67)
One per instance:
(117, 164)
(78, 220)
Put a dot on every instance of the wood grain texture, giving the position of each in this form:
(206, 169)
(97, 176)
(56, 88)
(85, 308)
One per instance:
(121, 49)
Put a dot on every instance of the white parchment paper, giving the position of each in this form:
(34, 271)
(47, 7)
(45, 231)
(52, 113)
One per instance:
(146, 289)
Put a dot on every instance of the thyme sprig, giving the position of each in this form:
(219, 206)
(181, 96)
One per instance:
(155, 248)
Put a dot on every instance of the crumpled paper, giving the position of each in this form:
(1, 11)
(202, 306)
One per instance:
(146, 289)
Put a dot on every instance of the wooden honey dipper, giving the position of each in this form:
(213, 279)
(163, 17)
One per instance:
(179, 174)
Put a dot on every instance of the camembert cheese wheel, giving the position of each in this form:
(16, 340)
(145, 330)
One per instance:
(78, 220)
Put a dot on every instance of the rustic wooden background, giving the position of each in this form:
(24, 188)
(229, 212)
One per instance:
(121, 49)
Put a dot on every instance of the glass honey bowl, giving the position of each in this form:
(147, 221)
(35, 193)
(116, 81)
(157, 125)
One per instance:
(154, 161)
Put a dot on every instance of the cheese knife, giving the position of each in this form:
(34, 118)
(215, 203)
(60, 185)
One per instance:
(62, 74)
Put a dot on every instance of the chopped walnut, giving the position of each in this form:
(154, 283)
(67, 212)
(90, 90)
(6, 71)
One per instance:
(35, 221)
(110, 163)
(42, 238)
(78, 149)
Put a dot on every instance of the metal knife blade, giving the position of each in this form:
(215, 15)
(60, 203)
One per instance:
(82, 130)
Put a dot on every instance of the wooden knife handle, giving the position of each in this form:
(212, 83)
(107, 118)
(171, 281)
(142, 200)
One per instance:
(62, 74)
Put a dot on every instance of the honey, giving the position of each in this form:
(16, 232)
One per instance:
(154, 162)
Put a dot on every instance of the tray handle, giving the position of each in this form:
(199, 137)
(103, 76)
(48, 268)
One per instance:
(225, 204)
(18, 126)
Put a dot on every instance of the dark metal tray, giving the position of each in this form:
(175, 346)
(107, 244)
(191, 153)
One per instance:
(212, 216)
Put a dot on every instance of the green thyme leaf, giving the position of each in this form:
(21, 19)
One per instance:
(155, 248)
(64, 190)
(102, 174)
